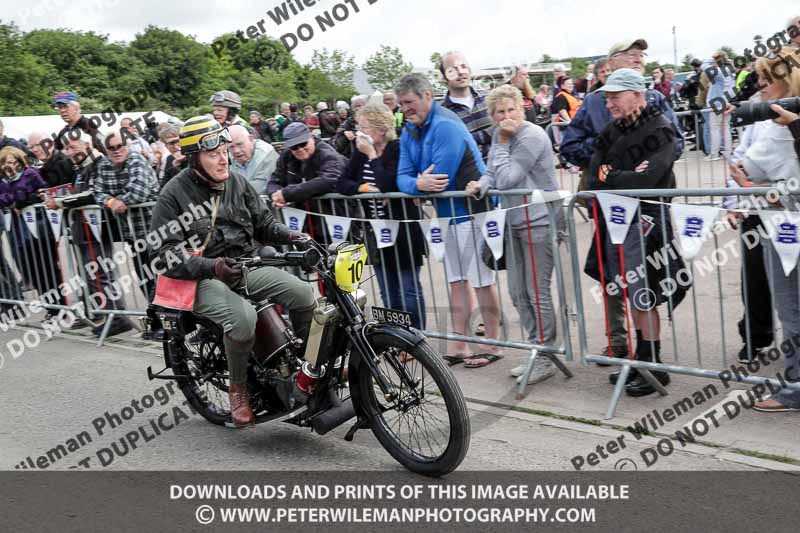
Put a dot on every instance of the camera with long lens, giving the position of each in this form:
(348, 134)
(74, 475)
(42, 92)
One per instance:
(747, 113)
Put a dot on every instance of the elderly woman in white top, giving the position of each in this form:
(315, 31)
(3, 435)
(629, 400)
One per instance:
(521, 157)
(771, 159)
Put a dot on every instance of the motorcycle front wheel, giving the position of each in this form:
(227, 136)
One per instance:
(423, 424)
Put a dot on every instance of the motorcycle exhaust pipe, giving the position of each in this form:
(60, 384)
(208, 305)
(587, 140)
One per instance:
(333, 417)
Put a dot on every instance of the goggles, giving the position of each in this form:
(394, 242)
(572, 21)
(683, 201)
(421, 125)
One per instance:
(212, 140)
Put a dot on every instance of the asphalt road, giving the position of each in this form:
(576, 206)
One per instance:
(59, 392)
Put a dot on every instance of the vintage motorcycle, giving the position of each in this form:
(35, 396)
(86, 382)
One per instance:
(381, 372)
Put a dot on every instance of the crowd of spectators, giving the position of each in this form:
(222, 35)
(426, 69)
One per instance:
(404, 140)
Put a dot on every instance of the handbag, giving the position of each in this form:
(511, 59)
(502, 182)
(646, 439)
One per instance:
(180, 294)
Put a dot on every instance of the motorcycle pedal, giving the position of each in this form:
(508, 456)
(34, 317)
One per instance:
(360, 424)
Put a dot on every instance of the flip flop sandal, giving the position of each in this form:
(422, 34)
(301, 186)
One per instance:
(453, 360)
(479, 360)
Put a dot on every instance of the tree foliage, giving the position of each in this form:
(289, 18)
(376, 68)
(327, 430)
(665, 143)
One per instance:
(385, 67)
(176, 72)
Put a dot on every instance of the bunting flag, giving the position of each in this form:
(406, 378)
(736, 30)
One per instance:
(54, 216)
(295, 218)
(29, 216)
(338, 227)
(7, 220)
(618, 212)
(94, 217)
(492, 226)
(385, 232)
(784, 237)
(434, 234)
(694, 223)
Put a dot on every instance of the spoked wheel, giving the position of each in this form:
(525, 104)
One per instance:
(423, 423)
(201, 355)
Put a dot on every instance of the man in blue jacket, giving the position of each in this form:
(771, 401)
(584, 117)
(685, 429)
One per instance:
(577, 147)
(436, 140)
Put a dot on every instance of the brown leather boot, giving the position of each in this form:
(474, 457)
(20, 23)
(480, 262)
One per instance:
(241, 414)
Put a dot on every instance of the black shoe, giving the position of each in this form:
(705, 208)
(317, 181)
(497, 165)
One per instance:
(620, 352)
(614, 376)
(119, 325)
(744, 358)
(641, 387)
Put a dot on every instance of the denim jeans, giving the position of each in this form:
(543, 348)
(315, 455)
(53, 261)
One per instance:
(402, 290)
(707, 132)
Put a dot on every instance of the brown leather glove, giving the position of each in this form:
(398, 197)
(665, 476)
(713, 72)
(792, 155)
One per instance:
(225, 271)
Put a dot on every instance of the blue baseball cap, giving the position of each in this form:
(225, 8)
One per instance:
(624, 79)
(295, 134)
(65, 97)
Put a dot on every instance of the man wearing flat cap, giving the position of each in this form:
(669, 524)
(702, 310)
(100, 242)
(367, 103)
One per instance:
(578, 146)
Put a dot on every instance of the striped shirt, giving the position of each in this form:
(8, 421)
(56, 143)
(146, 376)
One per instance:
(477, 119)
(376, 208)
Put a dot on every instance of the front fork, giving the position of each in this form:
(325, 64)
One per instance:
(361, 343)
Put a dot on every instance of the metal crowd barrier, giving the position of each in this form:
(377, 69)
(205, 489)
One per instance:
(437, 300)
(691, 322)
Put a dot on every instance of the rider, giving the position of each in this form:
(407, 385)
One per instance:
(235, 218)
(225, 106)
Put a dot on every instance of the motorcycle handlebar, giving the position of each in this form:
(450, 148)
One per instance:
(306, 259)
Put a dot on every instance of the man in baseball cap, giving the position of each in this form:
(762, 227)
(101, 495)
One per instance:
(68, 107)
(308, 167)
(636, 153)
(628, 54)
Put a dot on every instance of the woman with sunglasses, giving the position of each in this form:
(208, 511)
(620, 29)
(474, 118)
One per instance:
(229, 220)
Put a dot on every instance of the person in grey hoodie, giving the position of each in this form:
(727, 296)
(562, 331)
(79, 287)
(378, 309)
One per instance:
(521, 157)
(254, 159)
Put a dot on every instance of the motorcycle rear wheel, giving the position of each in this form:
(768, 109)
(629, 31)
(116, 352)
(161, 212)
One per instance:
(426, 427)
(201, 353)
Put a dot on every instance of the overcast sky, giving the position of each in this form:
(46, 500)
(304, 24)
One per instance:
(491, 33)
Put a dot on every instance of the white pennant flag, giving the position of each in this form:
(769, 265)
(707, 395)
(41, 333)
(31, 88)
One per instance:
(618, 212)
(493, 228)
(385, 232)
(7, 220)
(694, 224)
(29, 216)
(294, 218)
(54, 216)
(94, 217)
(338, 228)
(785, 239)
(434, 234)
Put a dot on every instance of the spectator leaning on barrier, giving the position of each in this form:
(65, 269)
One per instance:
(176, 161)
(56, 167)
(124, 180)
(35, 257)
(390, 101)
(308, 167)
(438, 154)
(86, 161)
(254, 160)
(577, 147)
(466, 102)
(328, 121)
(68, 107)
(636, 151)
(521, 157)
(772, 158)
(373, 168)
